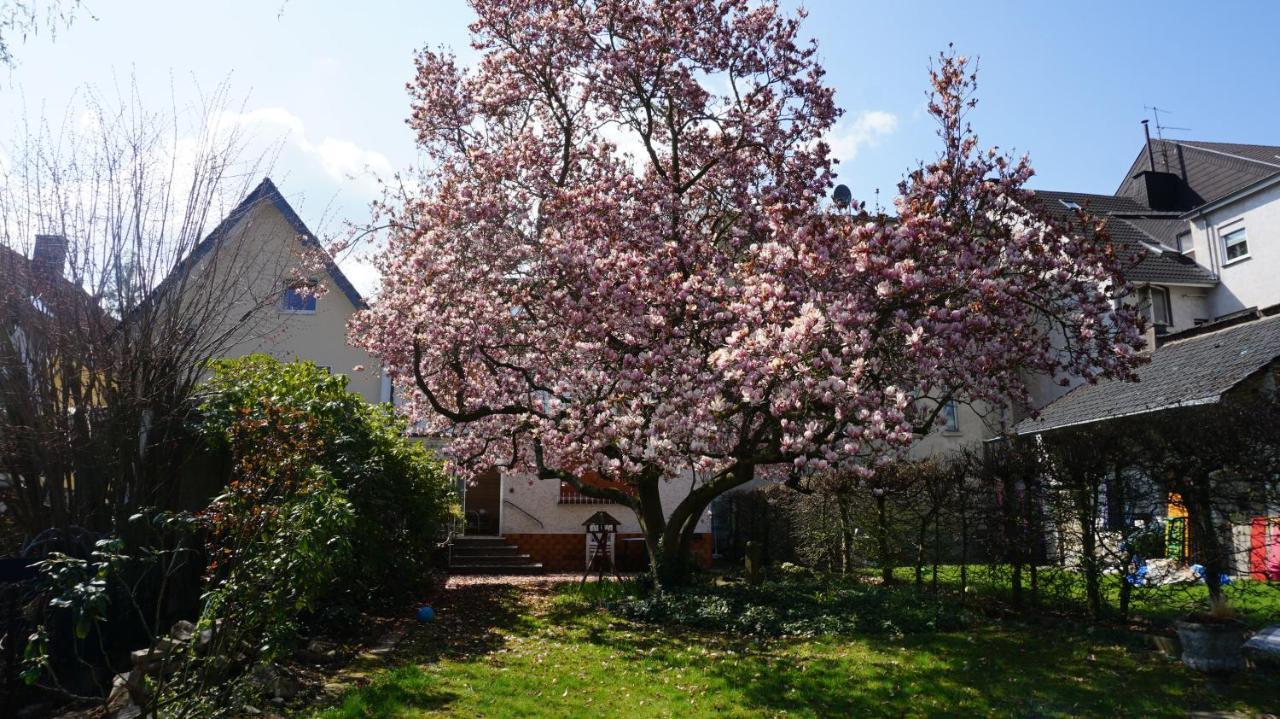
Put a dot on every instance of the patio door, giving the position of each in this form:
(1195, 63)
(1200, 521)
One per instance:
(482, 503)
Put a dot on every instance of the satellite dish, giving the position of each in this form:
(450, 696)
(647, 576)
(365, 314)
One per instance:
(842, 196)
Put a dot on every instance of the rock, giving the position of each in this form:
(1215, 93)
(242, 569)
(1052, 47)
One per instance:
(182, 631)
(143, 659)
(1263, 648)
(168, 645)
(317, 651)
(129, 712)
(119, 694)
(136, 684)
(274, 682)
(203, 640)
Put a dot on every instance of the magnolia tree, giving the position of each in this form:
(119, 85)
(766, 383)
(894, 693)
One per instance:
(619, 262)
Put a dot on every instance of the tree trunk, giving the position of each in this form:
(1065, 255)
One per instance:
(920, 545)
(846, 535)
(937, 549)
(882, 539)
(964, 545)
(1199, 504)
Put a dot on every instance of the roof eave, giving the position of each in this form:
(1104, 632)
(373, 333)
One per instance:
(1212, 399)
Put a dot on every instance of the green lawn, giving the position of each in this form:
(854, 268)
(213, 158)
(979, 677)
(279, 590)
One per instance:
(1257, 603)
(501, 651)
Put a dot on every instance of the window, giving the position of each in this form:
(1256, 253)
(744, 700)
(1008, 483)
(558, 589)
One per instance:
(1236, 244)
(950, 417)
(1185, 245)
(1070, 204)
(298, 298)
(1158, 306)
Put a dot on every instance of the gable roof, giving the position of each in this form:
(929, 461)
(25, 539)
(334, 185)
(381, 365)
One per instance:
(266, 192)
(1137, 233)
(52, 292)
(1196, 368)
(1209, 170)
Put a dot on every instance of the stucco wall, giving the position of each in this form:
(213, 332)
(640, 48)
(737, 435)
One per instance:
(976, 422)
(248, 271)
(540, 499)
(1188, 304)
(1248, 282)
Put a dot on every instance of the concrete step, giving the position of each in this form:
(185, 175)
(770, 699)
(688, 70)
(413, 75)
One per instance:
(494, 559)
(496, 569)
(489, 555)
(464, 550)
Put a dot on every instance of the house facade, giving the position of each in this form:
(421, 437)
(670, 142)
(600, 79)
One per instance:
(265, 265)
(1200, 224)
(544, 519)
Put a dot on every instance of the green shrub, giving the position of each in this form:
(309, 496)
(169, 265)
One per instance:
(401, 497)
(796, 606)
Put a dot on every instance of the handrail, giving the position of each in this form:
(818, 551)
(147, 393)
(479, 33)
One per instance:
(523, 511)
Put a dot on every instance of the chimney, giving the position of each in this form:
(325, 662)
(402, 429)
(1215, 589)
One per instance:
(1162, 190)
(1151, 156)
(49, 258)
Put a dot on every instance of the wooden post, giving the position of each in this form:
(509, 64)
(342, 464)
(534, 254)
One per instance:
(755, 562)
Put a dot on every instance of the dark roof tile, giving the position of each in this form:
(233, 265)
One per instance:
(1210, 170)
(1197, 369)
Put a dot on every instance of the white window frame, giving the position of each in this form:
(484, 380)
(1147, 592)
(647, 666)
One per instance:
(1188, 249)
(284, 295)
(950, 417)
(1070, 204)
(1226, 246)
(1166, 304)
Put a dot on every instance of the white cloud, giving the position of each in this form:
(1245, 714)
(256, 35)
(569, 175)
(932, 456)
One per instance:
(362, 272)
(865, 130)
(340, 159)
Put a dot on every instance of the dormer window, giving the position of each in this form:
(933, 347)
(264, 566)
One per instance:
(1158, 308)
(299, 298)
(1070, 204)
(1185, 245)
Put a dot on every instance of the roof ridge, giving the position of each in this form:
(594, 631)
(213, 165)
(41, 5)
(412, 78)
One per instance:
(1245, 317)
(1232, 155)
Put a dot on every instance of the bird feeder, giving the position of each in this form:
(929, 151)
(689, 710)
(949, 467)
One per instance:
(602, 528)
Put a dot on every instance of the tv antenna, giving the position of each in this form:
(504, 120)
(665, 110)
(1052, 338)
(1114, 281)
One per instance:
(1160, 128)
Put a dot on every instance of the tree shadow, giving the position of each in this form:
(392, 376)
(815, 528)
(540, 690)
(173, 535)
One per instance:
(471, 620)
(394, 694)
(994, 670)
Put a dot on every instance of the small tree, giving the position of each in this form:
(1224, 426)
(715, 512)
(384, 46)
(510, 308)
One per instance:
(1085, 465)
(1219, 460)
(620, 262)
(108, 329)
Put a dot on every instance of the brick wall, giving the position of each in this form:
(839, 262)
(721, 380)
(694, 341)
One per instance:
(568, 552)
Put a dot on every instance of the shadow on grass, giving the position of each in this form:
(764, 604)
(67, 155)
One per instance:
(471, 620)
(1000, 670)
(394, 694)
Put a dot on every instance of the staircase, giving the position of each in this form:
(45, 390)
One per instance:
(488, 555)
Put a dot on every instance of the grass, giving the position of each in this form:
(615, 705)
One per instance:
(1256, 603)
(564, 656)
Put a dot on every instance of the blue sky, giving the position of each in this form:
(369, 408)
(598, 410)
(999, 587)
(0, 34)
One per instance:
(1066, 82)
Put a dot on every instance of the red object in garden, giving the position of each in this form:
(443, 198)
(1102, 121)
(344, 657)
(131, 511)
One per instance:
(1264, 549)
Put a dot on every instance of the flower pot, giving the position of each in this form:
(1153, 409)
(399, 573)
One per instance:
(1212, 646)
